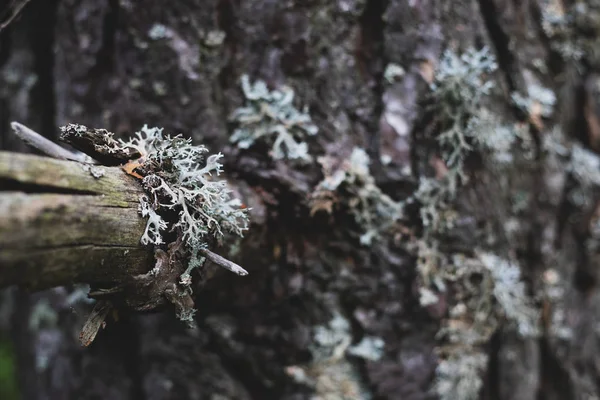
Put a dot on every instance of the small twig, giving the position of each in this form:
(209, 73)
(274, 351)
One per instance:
(105, 292)
(223, 262)
(37, 141)
(16, 12)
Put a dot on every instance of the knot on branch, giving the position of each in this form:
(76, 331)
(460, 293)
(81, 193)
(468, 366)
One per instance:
(160, 286)
(98, 144)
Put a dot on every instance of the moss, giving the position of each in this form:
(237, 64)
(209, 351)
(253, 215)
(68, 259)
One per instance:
(8, 379)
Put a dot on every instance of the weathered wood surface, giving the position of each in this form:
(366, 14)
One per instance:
(61, 224)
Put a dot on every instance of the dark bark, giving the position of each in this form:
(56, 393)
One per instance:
(93, 62)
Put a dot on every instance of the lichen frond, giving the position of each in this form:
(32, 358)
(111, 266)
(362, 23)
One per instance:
(270, 115)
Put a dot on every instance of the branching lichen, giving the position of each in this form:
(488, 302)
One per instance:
(351, 186)
(572, 30)
(538, 96)
(271, 116)
(584, 167)
(511, 295)
(177, 178)
(460, 85)
(465, 128)
(186, 207)
(330, 373)
(459, 377)
(475, 314)
(458, 90)
(154, 225)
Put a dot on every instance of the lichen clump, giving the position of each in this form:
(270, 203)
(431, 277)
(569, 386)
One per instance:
(331, 373)
(351, 186)
(270, 115)
(179, 177)
(178, 180)
(465, 127)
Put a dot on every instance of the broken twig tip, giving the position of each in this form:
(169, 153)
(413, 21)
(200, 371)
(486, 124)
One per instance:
(48, 147)
(223, 262)
(18, 7)
(94, 323)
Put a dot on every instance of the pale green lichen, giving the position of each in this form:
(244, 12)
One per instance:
(467, 126)
(510, 293)
(214, 38)
(459, 93)
(369, 348)
(564, 23)
(477, 314)
(352, 185)
(158, 31)
(459, 377)
(554, 291)
(462, 80)
(584, 167)
(330, 373)
(540, 95)
(182, 180)
(179, 178)
(461, 83)
(270, 115)
(393, 72)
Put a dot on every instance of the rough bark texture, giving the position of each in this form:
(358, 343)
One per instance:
(95, 62)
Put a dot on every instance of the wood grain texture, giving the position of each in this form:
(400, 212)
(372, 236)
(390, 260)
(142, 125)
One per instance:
(60, 224)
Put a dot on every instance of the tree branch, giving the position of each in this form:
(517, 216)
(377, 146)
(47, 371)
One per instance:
(62, 222)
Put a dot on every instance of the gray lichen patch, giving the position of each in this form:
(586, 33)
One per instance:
(271, 116)
(449, 196)
(331, 374)
(351, 186)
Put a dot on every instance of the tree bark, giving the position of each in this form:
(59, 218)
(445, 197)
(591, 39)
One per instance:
(119, 64)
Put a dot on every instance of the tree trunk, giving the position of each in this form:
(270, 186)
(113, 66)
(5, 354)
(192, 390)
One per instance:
(331, 308)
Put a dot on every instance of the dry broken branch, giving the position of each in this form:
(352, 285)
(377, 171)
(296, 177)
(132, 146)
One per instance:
(63, 222)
